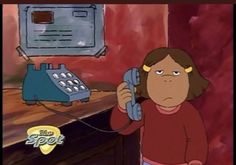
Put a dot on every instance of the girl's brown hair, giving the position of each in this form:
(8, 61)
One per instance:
(197, 83)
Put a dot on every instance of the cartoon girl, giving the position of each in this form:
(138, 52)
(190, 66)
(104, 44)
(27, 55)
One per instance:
(173, 131)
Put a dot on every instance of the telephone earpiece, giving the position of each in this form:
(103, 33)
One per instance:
(132, 78)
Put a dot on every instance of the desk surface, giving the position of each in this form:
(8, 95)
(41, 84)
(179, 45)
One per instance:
(18, 117)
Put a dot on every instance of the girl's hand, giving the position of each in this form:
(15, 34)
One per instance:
(123, 95)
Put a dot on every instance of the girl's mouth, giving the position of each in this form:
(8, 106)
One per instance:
(167, 98)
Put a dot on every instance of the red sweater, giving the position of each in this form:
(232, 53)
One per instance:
(173, 138)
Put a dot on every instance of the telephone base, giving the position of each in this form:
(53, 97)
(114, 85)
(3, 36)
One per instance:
(30, 102)
(84, 100)
(66, 104)
(53, 84)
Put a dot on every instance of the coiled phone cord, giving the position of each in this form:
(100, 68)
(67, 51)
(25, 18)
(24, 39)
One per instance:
(83, 122)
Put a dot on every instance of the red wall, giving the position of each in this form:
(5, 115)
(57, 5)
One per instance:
(131, 31)
(206, 32)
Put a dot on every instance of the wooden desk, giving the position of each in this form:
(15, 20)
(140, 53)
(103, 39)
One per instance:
(18, 117)
(94, 147)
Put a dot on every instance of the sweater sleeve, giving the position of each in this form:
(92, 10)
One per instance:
(119, 119)
(197, 146)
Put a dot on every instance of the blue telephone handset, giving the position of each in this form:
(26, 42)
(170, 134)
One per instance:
(132, 78)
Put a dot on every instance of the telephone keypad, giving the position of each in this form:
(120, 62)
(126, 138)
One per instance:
(68, 82)
(70, 85)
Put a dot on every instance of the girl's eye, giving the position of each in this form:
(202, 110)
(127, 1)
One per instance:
(159, 72)
(176, 73)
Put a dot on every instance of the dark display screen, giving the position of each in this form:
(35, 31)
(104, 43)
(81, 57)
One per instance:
(42, 17)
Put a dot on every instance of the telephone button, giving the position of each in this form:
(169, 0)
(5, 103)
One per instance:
(63, 75)
(76, 89)
(82, 87)
(76, 81)
(69, 74)
(55, 76)
(62, 83)
(68, 90)
(70, 82)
